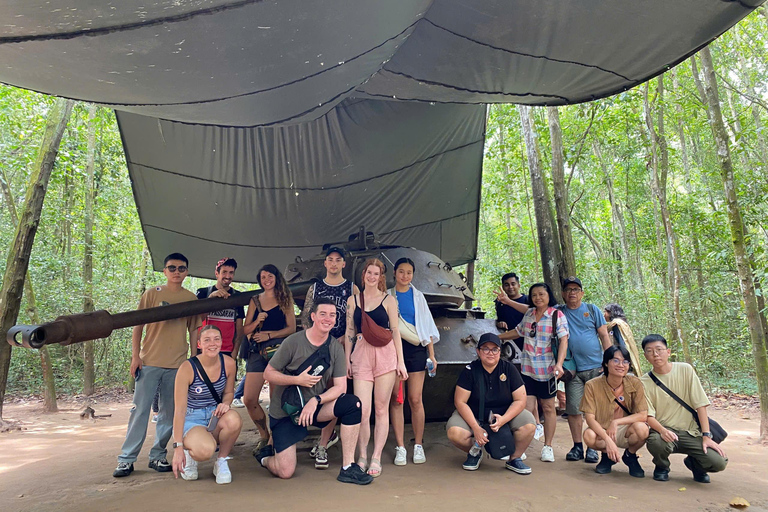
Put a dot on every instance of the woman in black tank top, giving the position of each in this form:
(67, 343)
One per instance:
(373, 369)
(270, 318)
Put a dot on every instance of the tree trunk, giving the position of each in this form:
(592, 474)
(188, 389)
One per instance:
(659, 170)
(561, 195)
(49, 384)
(89, 373)
(19, 253)
(549, 261)
(746, 279)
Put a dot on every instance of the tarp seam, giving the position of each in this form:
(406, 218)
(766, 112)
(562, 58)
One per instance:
(310, 189)
(515, 52)
(128, 26)
(236, 244)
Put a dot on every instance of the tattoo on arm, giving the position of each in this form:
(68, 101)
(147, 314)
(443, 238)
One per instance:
(309, 300)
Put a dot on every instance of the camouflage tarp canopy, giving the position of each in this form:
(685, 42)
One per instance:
(261, 129)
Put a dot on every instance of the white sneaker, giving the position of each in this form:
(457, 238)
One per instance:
(539, 431)
(190, 467)
(401, 456)
(418, 454)
(154, 418)
(547, 454)
(221, 471)
(237, 403)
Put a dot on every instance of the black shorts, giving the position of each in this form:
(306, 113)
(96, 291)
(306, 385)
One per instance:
(540, 389)
(415, 358)
(286, 434)
(256, 363)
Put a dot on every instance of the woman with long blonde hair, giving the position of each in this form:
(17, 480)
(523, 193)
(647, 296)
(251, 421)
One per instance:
(374, 357)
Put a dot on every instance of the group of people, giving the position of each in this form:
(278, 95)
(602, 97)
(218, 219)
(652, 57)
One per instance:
(347, 333)
(383, 340)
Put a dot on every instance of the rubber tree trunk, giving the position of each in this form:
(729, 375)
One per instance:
(735, 222)
(19, 253)
(560, 190)
(89, 373)
(49, 384)
(659, 171)
(549, 259)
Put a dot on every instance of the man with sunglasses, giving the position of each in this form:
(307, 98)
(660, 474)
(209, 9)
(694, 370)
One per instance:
(587, 341)
(154, 362)
(504, 404)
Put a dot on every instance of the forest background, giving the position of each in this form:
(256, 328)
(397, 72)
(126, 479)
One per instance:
(637, 179)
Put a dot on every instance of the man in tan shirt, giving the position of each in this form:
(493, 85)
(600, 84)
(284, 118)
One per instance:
(154, 362)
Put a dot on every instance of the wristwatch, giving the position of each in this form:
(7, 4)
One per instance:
(319, 400)
(707, 434)
(176, 445)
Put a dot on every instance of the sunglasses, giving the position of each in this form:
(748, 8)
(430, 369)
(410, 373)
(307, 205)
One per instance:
(174, 268)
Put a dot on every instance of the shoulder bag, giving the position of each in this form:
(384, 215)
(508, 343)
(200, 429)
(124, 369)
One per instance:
(569, 365)
(319, 362)
(373, 333)
(194, 361)
(502, 443)
(718, 433)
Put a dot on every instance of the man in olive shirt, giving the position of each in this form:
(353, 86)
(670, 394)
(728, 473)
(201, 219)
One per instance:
(154, 362)
(324, 396)
(674, 429)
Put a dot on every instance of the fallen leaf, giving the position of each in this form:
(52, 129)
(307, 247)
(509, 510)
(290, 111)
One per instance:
(613, 497)
(739, 503)
(681, 489)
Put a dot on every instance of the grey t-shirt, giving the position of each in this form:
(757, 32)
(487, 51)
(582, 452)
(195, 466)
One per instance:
(294, 350)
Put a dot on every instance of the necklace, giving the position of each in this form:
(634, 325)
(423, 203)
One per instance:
(617, 387)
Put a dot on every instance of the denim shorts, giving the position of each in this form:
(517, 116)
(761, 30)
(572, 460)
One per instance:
(198, 417)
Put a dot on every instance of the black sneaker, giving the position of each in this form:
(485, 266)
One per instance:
(123, 469)
(518, 466)
(592, 456)
(576, 453)
(266, 451)
(354, 475)
(630, 459)
(699, 475)
(160, 465)
(661, 474)
(605, 465)
(473, 461)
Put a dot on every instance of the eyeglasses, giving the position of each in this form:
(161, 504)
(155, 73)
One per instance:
(655, 351)
(490, 350)
(532, 334)
(174, 268)
(620, 362)
(572, 290)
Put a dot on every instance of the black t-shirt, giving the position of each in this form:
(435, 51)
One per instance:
(511, 316)
(499, 386)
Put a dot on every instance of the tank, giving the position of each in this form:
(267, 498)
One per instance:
(446, 292)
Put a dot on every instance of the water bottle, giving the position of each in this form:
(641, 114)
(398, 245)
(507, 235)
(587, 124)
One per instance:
(475, 450)
(431, 368)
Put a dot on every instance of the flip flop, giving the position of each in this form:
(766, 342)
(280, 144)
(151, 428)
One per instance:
(375, 469)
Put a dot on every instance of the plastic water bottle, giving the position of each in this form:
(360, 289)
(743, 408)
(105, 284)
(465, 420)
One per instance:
(475, 450)
(431, 368)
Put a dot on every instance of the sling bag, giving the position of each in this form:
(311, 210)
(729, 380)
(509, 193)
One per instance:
(373, 333)
(502, 443)
(569, 365)
(319, 362)
(718, 433)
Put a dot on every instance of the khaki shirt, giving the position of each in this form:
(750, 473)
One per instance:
(165, 343)
(598, 399)
(684, 382)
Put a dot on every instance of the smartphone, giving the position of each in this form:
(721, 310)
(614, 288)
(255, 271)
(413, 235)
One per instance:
(552, 385)
(491, 418)
(212, 423)
(138, 373)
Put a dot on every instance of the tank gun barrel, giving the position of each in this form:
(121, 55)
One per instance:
(100, 324)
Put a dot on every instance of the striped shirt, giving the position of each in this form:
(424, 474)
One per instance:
(199, 396)
(537, 360)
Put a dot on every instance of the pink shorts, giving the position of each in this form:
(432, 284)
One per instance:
(369, 362)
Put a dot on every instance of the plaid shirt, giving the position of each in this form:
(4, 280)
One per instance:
(537, 360)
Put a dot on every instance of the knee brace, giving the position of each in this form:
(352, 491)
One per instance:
(348, 409)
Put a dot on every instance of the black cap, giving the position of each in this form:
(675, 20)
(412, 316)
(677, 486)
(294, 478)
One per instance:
(489, 337)
(572, 279)
(333, 249)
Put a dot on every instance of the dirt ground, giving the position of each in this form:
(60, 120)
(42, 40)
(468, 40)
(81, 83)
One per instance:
(60, 462)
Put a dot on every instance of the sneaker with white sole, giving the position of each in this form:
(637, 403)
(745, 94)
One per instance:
(547, 454)
(190, 467)
(154, 418)
(401, 456)
(321, 458)
(221, 471)
(237, 403)
(332, 441)
(418, 454)
(539, 431)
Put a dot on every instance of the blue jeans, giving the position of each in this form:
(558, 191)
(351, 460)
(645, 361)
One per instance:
(151, 377)
(240, 391)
